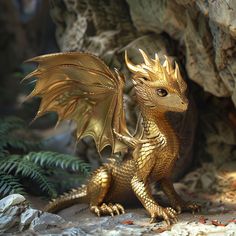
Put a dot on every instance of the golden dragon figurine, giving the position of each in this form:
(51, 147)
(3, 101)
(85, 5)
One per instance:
(80, 87)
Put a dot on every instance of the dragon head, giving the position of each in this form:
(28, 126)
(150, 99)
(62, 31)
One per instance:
(158, 86)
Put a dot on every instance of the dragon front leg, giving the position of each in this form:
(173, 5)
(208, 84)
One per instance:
(175, 200)
(98, 187)
(142, 191)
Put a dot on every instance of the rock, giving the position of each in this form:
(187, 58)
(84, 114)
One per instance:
(85, 17)
(9, 220)
(209, 34)
(27, 217)
(224, 47)
(224, 14)
(11, 208)
(74, 231)
(199, 64)
(154, 16)
(46, 221)
(16, 216)
(199, 34)
(11, 200)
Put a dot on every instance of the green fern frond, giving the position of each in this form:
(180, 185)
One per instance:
(3, 153)
(8, 138)
(9, 124)
(9, 184)
(21, 144)
(9, 164)
(39, 167)
(29, 169)
(25, 168)
(58, 160)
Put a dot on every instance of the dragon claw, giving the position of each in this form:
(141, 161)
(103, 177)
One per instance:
(152, 220)
(96, 210)
(121, 208)
(108, 209)
(188, 206)
(194, 207)
(168, 214)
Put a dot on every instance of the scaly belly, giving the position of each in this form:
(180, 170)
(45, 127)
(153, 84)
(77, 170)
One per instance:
(163, 166)
(120, 190)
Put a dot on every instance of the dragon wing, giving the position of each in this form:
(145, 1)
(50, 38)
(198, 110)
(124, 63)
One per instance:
(80, 87)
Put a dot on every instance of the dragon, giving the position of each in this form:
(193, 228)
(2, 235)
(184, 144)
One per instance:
(81, 87)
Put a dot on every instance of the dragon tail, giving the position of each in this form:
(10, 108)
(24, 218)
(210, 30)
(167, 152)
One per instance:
(78, 195)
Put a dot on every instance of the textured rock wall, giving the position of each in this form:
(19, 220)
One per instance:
(200, 35)
(207, 31)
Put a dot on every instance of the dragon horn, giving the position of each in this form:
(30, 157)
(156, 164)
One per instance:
(130, 65)
(133, 68)
(145, 57)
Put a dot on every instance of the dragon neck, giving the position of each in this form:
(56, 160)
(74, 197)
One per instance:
(156, 125)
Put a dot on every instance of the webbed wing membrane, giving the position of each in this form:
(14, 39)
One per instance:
(80, 87)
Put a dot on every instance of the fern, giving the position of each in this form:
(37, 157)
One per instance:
(15, 164)
(20, 144)
(19, 161)
(8, 140)
(9, 184)
(58, 160)
(3, 153)
(9, 124)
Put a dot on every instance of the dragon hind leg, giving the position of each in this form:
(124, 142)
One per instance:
(143, 192)
(98, 187)
(175, 200)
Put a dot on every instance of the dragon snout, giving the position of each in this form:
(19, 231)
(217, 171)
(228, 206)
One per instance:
(185, 104)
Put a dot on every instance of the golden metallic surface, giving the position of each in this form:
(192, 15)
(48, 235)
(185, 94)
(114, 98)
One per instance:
(81, 87)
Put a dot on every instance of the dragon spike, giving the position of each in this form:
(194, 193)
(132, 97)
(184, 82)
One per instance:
(177, 72)
(179, 79)
(168, 66)
(164, 73)
(158, 63)
(147, 61)
(157, 57)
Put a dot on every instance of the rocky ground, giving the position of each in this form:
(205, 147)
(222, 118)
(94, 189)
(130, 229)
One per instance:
(17, 218)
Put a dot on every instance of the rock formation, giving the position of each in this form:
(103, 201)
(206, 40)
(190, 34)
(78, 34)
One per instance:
(198, 34)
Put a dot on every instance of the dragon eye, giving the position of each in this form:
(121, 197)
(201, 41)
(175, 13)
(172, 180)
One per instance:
(161, 92)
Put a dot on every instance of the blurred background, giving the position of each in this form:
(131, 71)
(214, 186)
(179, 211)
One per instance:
(199, 35)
